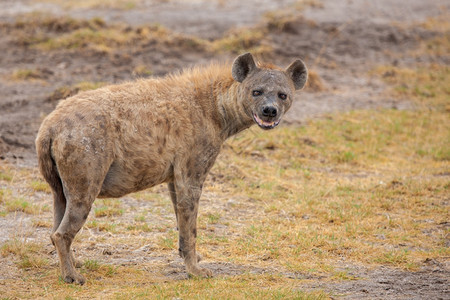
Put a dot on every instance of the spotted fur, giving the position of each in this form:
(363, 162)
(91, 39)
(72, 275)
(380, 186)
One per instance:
(128, 137)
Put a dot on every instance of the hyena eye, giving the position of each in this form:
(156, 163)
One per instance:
(256, 93)
(282, 96)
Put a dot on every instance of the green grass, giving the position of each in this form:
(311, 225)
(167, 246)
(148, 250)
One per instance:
(40, 186)
(107, 208)
(106, 226)
(20, 204)
(168, 241)
(92, 265)
(6, 174)
(139, 228)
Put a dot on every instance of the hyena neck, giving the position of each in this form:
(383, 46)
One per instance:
(233, 118)
(219, 96)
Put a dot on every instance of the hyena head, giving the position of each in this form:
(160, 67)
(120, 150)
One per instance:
(268, 91)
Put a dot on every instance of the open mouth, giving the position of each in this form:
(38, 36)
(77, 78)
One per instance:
(265, 124)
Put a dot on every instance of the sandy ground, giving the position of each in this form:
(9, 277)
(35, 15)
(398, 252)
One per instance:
(340, 40)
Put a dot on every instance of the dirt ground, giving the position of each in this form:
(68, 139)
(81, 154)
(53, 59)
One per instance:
(339, 40)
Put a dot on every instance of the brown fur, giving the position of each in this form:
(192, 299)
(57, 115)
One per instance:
(125, 138)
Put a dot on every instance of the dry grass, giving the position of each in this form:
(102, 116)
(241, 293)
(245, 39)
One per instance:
(243, 40)
(26, 74)
(28, 255)
(107, 208)
(302, 4)
(49, 33)
(419, 84)
(439, 45)
(6, 174)
(314, 83)
(256, 39)
(21, 205)
(68, 91)
(100, 40)
(40, 186)
(374, 179)
(134, 4)
(92, 4)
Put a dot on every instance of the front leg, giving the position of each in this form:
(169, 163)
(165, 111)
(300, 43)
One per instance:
(188, 196)
(173, 197)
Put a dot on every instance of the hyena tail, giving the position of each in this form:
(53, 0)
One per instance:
(49, 170)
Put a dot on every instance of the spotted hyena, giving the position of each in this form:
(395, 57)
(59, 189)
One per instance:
(128, 137)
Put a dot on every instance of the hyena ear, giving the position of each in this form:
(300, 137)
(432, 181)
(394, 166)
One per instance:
(242, 66)
(298, 72)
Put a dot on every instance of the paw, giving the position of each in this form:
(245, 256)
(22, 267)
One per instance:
(199, 272)
(74, 278)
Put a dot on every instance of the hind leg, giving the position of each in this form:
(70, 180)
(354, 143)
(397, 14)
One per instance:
(75, 216)
(59, 208)
(82, 184)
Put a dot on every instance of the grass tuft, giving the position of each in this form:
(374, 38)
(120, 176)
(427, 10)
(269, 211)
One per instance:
(314, 83)
(40, 186)
(28, 74)
(106, 226)
(107, 208)
(21, 205)
(6, 174)
(27, 253)
(92, 265)
(242, 40)
(169, 241)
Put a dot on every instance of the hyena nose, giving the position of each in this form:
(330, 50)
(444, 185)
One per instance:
(269, 111)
